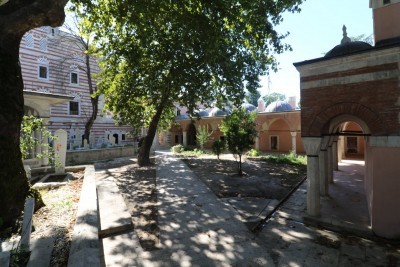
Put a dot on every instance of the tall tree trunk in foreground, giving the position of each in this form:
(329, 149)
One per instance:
(16, 18)
(144, 151)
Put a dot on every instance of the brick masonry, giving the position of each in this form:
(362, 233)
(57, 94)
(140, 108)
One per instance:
(368, 93)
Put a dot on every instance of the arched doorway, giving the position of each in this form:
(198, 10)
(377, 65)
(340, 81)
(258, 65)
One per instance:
(191, 135)
(342, 172)
(116, 138)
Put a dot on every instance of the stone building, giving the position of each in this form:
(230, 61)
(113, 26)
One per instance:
(352, 95)
(278, 127)
(56, 88)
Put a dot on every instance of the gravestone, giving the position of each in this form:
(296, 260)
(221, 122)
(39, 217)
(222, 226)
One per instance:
(112, 140)
(27, 223)
(60, 148)
(85, 144)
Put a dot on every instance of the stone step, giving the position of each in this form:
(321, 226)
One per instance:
(114, 215)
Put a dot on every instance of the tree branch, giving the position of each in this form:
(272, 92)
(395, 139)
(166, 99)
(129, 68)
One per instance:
(19, 16)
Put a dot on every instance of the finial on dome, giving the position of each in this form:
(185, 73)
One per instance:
(345, 38)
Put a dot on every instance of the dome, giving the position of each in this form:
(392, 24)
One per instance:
(219, 112)
(248, 107)
(182, 117)
(202, 113)
(279, 106)
(348, 48)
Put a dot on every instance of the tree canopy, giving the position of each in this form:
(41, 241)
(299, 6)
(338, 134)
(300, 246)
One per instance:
(268, 99)
(252, 97)
(157, 53)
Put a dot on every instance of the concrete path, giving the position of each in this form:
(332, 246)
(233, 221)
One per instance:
(198, 229)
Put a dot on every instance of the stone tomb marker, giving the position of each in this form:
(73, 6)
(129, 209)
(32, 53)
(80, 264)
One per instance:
(60, 148)
(27, 223)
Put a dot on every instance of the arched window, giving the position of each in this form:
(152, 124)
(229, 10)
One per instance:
(43, 68)
(29, 40)
(74, 105)
(43, 44)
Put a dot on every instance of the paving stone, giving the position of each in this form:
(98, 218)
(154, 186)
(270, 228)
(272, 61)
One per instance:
(41, 250)
(122, 250)
(4, 259)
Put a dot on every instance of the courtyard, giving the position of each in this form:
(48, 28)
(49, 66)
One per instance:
(183, 222)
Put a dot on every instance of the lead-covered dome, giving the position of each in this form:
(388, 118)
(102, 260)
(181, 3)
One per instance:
(202, 113)
(348, 48)
(279, 106)
(248, 107)
(219, 112)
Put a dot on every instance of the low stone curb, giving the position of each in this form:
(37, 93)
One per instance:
(85, 249)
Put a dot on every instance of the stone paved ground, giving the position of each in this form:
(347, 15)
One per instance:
(291, 243)
(198, 229)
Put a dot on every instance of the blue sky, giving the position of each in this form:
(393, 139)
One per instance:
(314, 31)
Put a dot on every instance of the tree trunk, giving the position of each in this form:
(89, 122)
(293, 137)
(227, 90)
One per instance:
(92, 118)
(14, 185)
(16, 18)
(93, 99)
(240, 165)
(144, 151)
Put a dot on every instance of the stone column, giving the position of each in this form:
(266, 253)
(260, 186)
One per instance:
(340, 145)
(38, 147)
(335, 154)
(312, 146)
(330, 163)
(294, 147)
(257, 143)
(184, 138)
(323, 168)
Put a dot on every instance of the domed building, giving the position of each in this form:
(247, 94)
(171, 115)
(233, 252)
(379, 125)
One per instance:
(278, 129)
(347, 46)
(248, 107)
(217, 112)
(203, 113)
(279, 106)
(351, 98)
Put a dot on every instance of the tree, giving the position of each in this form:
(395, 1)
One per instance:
(239, 129)
(202, 135)
(252, 97)
(218, 147)
(80, 37)
(16, 18)
(363, 38)
(273, 97)
(157, 53)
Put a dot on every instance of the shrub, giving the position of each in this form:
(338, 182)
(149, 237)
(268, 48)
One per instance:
(253, 153)
(291, 158)
(218, 147)
(178, 148)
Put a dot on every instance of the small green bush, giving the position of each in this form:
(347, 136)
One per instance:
(253, 153)
(218, 147)
(180, 148)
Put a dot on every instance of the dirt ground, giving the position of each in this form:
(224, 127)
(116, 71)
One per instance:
(262, 179)
(57, 218)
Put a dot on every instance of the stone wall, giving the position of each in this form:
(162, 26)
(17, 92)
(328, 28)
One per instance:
(89, 156)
